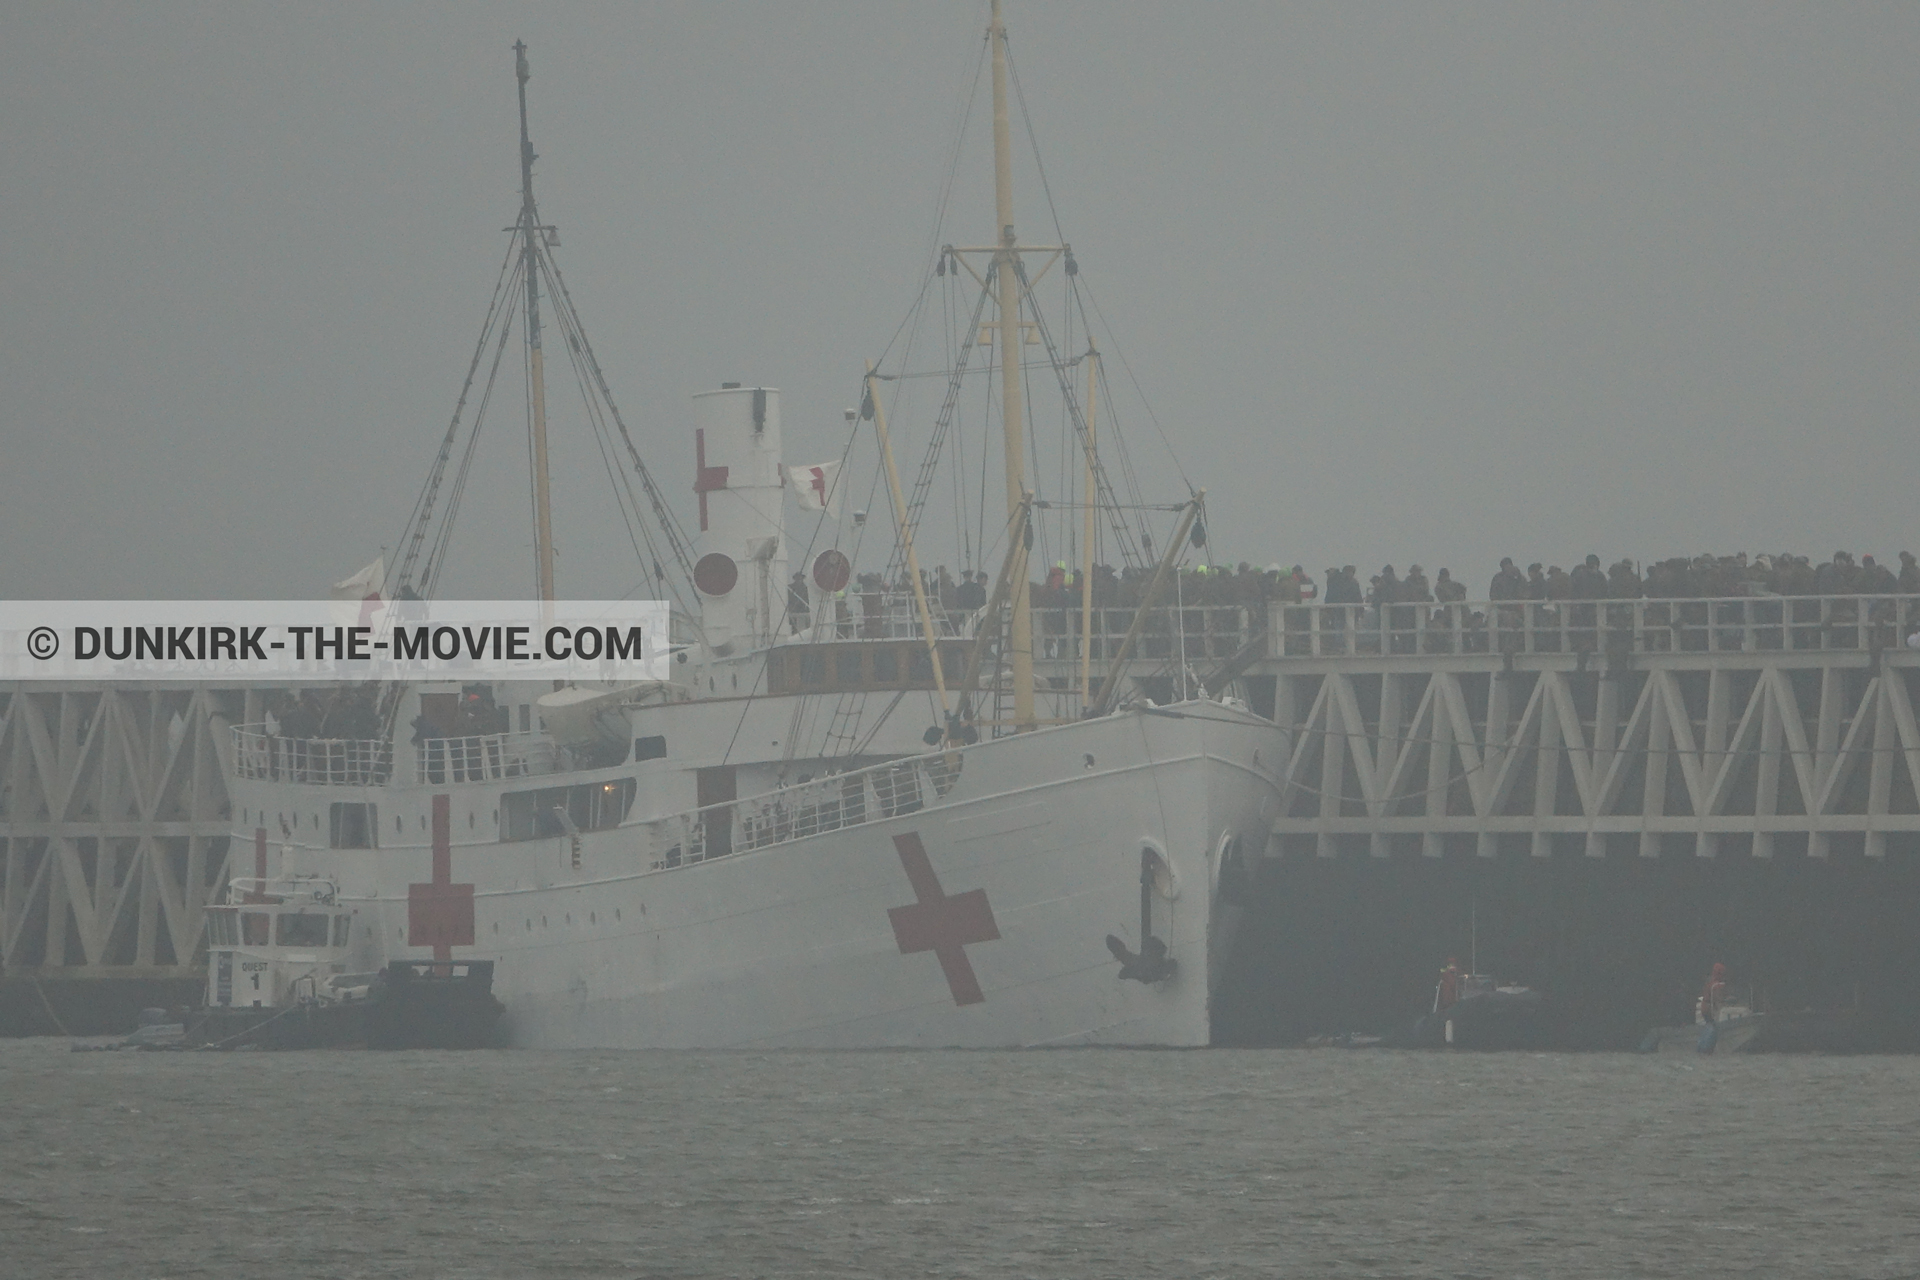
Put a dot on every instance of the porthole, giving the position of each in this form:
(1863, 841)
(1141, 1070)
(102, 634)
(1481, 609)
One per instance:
(470, 819)
(616, 913)
(423, 822)
(496, 926)
(396, 824)
(569, 917)
(593, 917)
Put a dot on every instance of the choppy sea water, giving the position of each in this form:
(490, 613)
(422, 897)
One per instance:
(1076, 1163)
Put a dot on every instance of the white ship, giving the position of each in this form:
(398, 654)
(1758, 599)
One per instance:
(774, 848)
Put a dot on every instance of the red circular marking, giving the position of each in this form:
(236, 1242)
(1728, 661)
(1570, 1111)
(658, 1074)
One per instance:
(716, 573)
(831, 571)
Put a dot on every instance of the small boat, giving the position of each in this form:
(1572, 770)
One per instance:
(1487, 1014)
(1731, 1029)
(281, 974)
(1741, 1028)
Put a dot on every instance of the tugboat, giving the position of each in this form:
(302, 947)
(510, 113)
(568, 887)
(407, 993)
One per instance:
(280, 975)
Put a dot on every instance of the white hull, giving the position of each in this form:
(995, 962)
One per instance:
(796, 944)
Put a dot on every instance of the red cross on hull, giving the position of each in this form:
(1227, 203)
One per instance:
(941, 924)
(440, 914)
(706, 479)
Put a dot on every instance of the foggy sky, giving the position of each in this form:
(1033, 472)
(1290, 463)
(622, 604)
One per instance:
(1403, 283)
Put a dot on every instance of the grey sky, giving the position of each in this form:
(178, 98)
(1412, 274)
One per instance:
(1406, 283)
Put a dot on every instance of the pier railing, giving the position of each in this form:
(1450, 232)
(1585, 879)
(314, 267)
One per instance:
(1740, 624)
(1212, 632)
(814, 807)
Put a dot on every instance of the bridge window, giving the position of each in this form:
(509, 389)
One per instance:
(352, 826)
(298, 929)
(594, 806)
(846, 666)
(340, 926)
(886, 665)
(650, 748)
(253, 928)
(223, 929)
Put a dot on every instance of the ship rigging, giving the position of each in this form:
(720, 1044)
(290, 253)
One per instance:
(658, 538)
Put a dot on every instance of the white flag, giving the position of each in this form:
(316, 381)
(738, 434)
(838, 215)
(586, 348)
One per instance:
(816, 487)
(364, 585)
(358, 598)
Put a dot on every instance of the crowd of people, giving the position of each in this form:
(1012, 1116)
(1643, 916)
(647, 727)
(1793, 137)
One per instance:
(875, 608)
(1678, 578)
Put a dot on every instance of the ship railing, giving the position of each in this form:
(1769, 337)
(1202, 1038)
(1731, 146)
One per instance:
(485, 757)
(362, 762)
(1208, 631)
(334, 762)
(281, 889)
(813, 807)
(889, 615)
(1720, 624)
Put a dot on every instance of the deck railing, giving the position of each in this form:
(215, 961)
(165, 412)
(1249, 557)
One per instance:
(487, 757)
(1211, 630)
(361, 762)
(337, 762)
(804, 809)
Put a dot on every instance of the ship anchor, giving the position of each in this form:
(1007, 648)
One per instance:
(1152, 964)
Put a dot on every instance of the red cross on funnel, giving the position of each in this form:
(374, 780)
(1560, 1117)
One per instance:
(706, 479)
(440, 914)
(941, 924)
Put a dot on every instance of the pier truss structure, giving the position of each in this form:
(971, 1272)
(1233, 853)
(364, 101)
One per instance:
(1755, 725)
(113, 827)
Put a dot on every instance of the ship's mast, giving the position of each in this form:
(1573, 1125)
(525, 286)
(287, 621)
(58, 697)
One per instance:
(530, 230)
(1012, 412)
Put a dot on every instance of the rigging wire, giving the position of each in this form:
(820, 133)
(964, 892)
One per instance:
(436, 562)
(670, 527)
(415, 528)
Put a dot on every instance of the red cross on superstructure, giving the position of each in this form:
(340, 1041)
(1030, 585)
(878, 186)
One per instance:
(706, 479)
(440, 914)
(941, 924)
